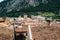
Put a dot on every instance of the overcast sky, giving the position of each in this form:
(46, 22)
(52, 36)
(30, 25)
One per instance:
(1, 0)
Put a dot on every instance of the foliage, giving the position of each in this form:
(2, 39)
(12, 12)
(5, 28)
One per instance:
(47, 14)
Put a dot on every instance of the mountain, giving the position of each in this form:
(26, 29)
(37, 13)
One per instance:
(15, 6)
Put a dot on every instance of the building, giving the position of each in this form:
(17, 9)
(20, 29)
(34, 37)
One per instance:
(1, 19)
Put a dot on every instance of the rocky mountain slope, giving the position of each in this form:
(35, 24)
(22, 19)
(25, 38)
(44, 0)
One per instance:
(15, 6)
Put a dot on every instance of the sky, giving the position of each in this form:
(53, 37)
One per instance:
(1, 0)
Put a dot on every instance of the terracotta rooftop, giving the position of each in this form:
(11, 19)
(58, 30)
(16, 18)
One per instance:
(23, 29)
(41, 31)
(46, 33)
(1, 19)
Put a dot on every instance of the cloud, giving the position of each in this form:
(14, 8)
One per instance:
(1, 0)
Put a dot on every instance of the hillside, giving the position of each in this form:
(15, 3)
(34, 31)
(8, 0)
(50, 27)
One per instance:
(12, 7)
